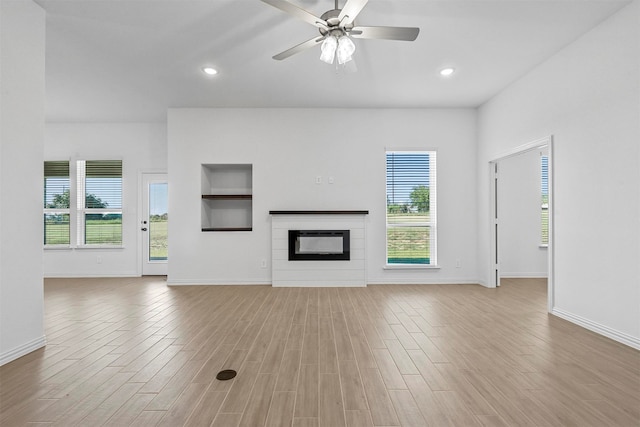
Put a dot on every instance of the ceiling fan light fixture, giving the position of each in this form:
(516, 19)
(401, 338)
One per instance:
(328, 49)
(209, 71)
(446, 72)
(345, 50)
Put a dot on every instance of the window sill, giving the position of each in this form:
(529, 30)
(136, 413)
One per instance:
(98, 247)
(543, 246)
(410, 267)
(82, 248)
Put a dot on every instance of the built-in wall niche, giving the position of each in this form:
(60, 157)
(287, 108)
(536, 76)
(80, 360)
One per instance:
(227, 200)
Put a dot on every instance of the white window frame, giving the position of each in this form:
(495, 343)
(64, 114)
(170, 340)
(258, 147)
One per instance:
(77, 209)
(433, 216)
(60, 211)
(82, 210)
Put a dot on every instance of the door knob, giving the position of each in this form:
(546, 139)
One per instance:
(144, 229)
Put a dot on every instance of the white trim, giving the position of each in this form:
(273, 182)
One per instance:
(425, 282)
(524, 275)
(529, 146)
(217, 282)
(484, 284)
(608, 332)
(410, 267)
(546, 142)
(88, 276)
(141, 249)
(23, 349)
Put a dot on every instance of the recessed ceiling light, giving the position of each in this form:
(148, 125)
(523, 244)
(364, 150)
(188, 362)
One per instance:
(210, 71)
(446, 72)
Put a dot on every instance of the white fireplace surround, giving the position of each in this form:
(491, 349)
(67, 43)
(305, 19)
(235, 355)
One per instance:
(324, 273)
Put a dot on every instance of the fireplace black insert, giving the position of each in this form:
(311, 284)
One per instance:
(319, 245)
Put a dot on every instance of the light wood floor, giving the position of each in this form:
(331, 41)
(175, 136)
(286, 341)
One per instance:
(136, 352)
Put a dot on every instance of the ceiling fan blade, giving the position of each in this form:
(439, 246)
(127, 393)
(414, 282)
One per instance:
(299, 48)
(294, 10)
(385, 33)
(350, 10)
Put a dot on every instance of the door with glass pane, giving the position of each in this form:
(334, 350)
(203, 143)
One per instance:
(154, 224)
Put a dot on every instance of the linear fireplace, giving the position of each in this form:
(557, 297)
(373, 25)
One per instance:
(319, 245)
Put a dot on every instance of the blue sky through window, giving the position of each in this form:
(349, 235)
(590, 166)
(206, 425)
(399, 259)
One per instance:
(405, 171)
(544, 162)
(158, 198)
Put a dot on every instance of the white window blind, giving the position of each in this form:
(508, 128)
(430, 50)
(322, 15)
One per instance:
(56, 203)
(544, 202)
(99, 202)
(411, 208)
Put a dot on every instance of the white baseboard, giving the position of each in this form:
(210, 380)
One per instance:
(199, 282)
(608, 332)
(88, 276)
(521, 275)
(423, 282)
(13, 354)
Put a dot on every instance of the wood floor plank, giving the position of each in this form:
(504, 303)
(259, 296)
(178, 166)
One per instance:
(207, 408)
(331, 407)
(382, 411)
(227, 420)
(273, 357)
(401, 358)
(354, 397)
(181, 409)
(129, 411)
(390, 373)
(358, 418)
(305, 422)
(132, 351)
(255, 413)
(281, 410)
(241, 389)
(111, 405)
(307, 392)
(289, 369)
(407, 409)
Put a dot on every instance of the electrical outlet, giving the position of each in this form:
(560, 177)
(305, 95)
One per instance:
(263, 263)
(330, 180)
(98, 259)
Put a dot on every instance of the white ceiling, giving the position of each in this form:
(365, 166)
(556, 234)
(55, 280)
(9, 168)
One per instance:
(130, 60)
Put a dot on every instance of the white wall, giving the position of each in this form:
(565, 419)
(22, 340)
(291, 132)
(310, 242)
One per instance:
(142, 147)
(288, 149)
(519, 199)
(22, 44)
(587, 97)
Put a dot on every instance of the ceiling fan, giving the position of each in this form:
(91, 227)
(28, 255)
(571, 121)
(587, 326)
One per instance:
(336, 27)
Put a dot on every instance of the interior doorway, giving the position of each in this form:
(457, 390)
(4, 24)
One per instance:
(154, 224)
(502, 192)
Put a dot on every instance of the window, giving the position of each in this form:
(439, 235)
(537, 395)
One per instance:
(411, 208)
(56, 203)
(544, 202)
(97, 200)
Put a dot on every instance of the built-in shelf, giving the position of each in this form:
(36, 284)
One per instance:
(228, 229)
(308, 212)
(227, 197)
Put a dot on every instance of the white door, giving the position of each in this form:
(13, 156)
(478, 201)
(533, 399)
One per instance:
(154, 224)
